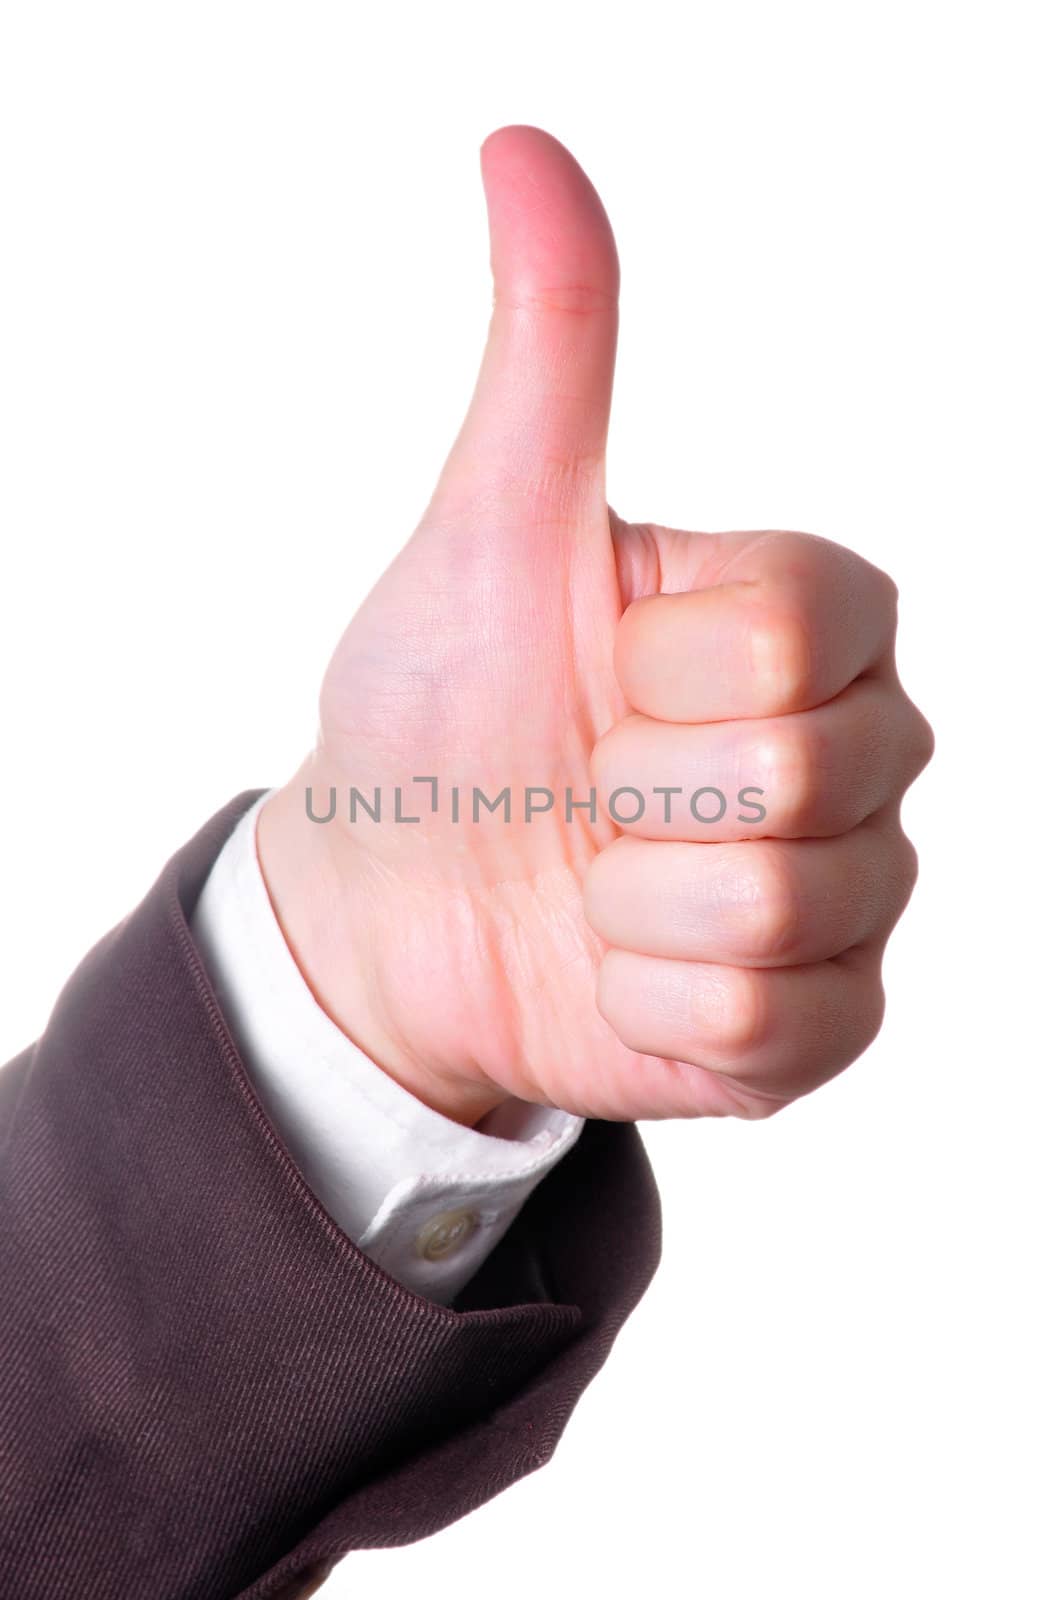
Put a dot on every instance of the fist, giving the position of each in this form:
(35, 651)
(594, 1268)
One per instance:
(673, 893)
(748, 939)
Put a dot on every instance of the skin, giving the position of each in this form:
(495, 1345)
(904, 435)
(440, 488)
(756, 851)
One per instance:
(527, 636)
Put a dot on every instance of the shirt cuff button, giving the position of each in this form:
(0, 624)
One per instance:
(444, 1234)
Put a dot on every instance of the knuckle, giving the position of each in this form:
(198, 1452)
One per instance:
(869, 1014)
(850, 1025)
(792, 760)
(922, 739)
(793, 551)
(890, 593)
(883, 590)
(735, 1018)
(569, 299)
(907, 867)
(769, 906)
(783, 659)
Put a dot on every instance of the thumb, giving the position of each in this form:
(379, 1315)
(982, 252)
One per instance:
(536, 427)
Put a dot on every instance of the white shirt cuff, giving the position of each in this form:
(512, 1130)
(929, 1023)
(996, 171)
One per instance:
(425, 1197)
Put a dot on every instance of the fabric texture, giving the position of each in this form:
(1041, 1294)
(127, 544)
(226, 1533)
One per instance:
(383, 1165)
(206, 1389)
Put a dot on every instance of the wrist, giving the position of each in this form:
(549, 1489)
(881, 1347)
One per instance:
(325, 890)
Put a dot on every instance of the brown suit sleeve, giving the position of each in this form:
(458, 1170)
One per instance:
(206, 1389)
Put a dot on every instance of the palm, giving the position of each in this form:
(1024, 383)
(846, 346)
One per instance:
(506, 680)
(511, 686)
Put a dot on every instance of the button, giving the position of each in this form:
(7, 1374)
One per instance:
(442, 1236)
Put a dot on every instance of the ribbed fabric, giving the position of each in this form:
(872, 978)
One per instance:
(206, 1390)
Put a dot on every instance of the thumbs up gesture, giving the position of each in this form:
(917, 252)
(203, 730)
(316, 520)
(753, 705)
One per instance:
(602, 816)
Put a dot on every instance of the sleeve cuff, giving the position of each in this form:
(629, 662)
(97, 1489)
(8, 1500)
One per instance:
(423, 1196)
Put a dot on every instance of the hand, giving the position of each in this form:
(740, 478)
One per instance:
(527, 638)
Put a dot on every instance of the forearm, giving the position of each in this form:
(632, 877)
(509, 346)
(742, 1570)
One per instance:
(207, 1388)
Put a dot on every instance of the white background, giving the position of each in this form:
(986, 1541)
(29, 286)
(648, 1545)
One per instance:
(244, 292)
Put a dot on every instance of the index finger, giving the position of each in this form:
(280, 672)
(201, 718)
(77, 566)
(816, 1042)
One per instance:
(792, 621)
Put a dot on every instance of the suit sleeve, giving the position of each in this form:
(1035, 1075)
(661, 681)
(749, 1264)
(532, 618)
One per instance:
(206, 1390)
